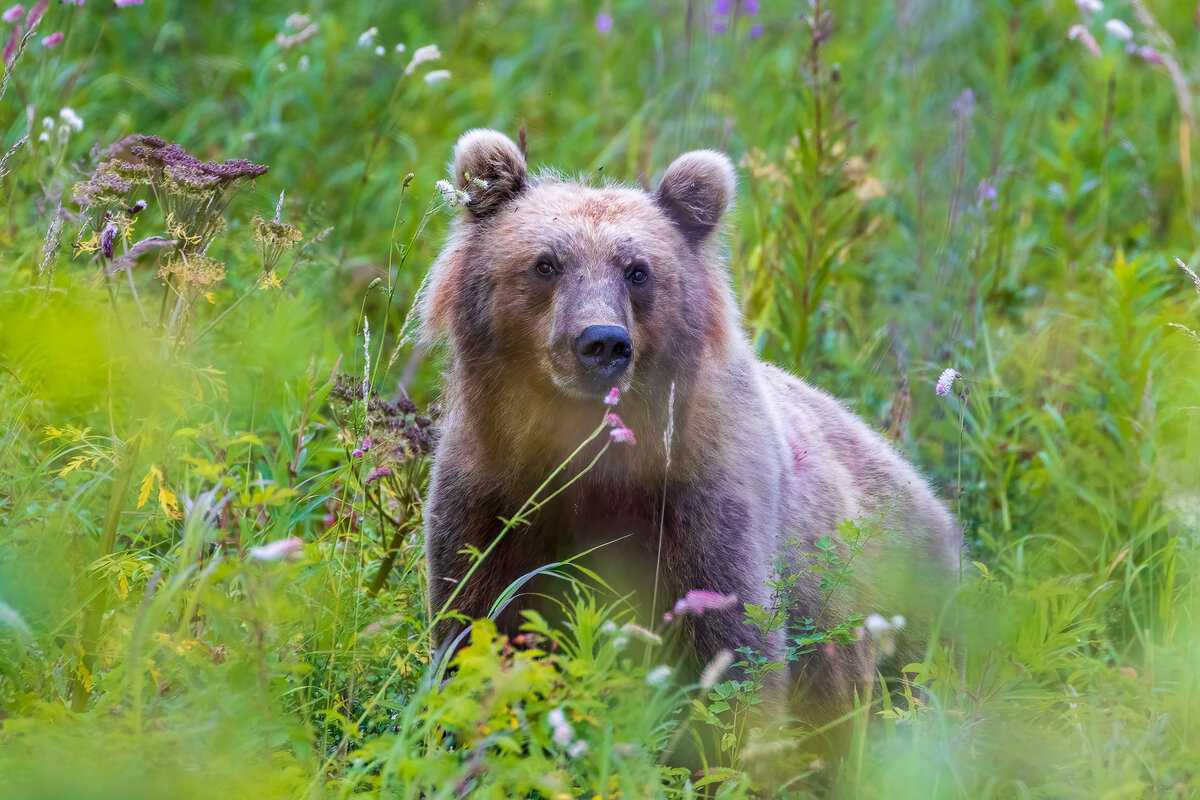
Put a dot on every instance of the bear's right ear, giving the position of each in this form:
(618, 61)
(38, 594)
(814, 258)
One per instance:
(489, 168)
(696, 191)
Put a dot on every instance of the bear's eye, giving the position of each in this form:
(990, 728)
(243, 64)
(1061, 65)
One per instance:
(544, 266)
(638, 274)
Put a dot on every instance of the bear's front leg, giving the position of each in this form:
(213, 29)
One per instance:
(462, 522)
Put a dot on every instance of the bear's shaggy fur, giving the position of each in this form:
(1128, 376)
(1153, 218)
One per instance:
(759, 464)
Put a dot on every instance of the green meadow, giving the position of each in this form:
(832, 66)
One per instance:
(213, 585)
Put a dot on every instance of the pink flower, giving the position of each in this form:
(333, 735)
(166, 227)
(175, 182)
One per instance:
(281, 549)
(622, 436)
(376, 474)
(356, 452)
(13, 41)
(946, 381)
(604, 23)
(1086, 39)
(53, 39)
(699, 601)
(613, 421)
(35, 13)
(125, 3)
(614, 394)
(367, 443)
(73, 2)
(13, 14)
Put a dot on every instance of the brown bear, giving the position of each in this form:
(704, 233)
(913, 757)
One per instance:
(550, 293)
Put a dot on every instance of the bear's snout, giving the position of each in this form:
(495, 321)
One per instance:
(604, 350)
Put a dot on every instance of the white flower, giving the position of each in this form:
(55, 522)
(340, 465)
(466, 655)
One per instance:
(64, 133)
(379, 50)
(429, 52)
(296, 21)
(659, 677)
(367, 37)
(47, 122)
(1091, 6)
(564, 734)
(875, 625)
(303, 64)
(946, 381)
(609, 627)
(400, 48)
(452, 196)
(71, 118)
(1119, 29)
(898, 622)
(579, 748)
(287, 549)
(715, 669)
(437, 75)
(44, 137)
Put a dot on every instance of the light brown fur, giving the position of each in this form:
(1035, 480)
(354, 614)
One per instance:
(760, 464)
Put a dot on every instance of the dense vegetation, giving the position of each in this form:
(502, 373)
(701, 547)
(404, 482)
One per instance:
(211, 582)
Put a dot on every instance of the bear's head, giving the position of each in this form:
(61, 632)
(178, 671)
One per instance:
(565, 290)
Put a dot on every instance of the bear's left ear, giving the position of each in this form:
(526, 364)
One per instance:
(696, 191)
(489, 167)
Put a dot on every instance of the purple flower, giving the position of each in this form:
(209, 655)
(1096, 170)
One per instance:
(73, 2)
(108, 240)
(604, 23)
(721, 8)
(35, 13)
(13, 14)
(376, 474)
(137, 207)
(699, 601)
(756, 30)
(356, 453)
(127, 260)
(53, 39)
(622, 436)
(614, 395)
(750, 7)
(964, 105)
(124, 3)
(286, 549)
(946, 381)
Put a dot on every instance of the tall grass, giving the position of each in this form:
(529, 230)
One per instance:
(210, 583)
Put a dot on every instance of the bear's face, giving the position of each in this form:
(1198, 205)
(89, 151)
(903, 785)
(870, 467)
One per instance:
(573, 289)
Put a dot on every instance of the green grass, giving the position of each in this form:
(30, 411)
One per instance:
(144, 652)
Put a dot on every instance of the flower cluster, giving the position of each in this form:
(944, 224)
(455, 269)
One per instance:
(564, 735)
(274, 238)
(395, 431)
(1114, 27)
(948, 380)
(700, 601)
(724, 10)
(619, 432)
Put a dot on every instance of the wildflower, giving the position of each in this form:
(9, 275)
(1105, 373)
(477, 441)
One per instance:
(137, 207)
(69, 116)
(1119, 29)
(577, 749)
(604, 23)
(299, 37)
(622, 436)
(377, 474)
(400, 48)
(13, 13)
(64, 133)
(659, 677)
(876, 625)
(564, 734)
(613, 396)
(986, 192)
(452, 196)
(10, 49)
(1085, 38)
(1149, 54)
(126, 3)
(295, 21)
(303, 63)
(613, 421)
(367, 37)
(44, 136)
(47, 122)
(946, 381)
(127, 259)
(74, 3)
(35, 14)
(273, 239)
(379, 50)
(756, 30)
(437, 75)
(699, 601)
(898, 622)
(964, 105)
(648, 636)
(1090, 6)
(108, 238)
(280, 549)
(715, 669)
(429, 52)
(52, 40)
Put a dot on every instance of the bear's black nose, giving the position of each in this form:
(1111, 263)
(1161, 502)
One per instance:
(604, 350)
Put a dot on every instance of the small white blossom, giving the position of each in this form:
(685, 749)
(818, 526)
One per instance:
(437, 75)
(577, 749)
(946, 381)
(44, 137)
(659, 677)
(48, 122)
(715, 669)
(379, 50)
(429, 52)
(69, 116)
(1119, 29)
(367, 37)
(400, 48)
(876, 624)
(303, 63)
(1090, 6)
(898, 622)
(288, 549)
(452, 196)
